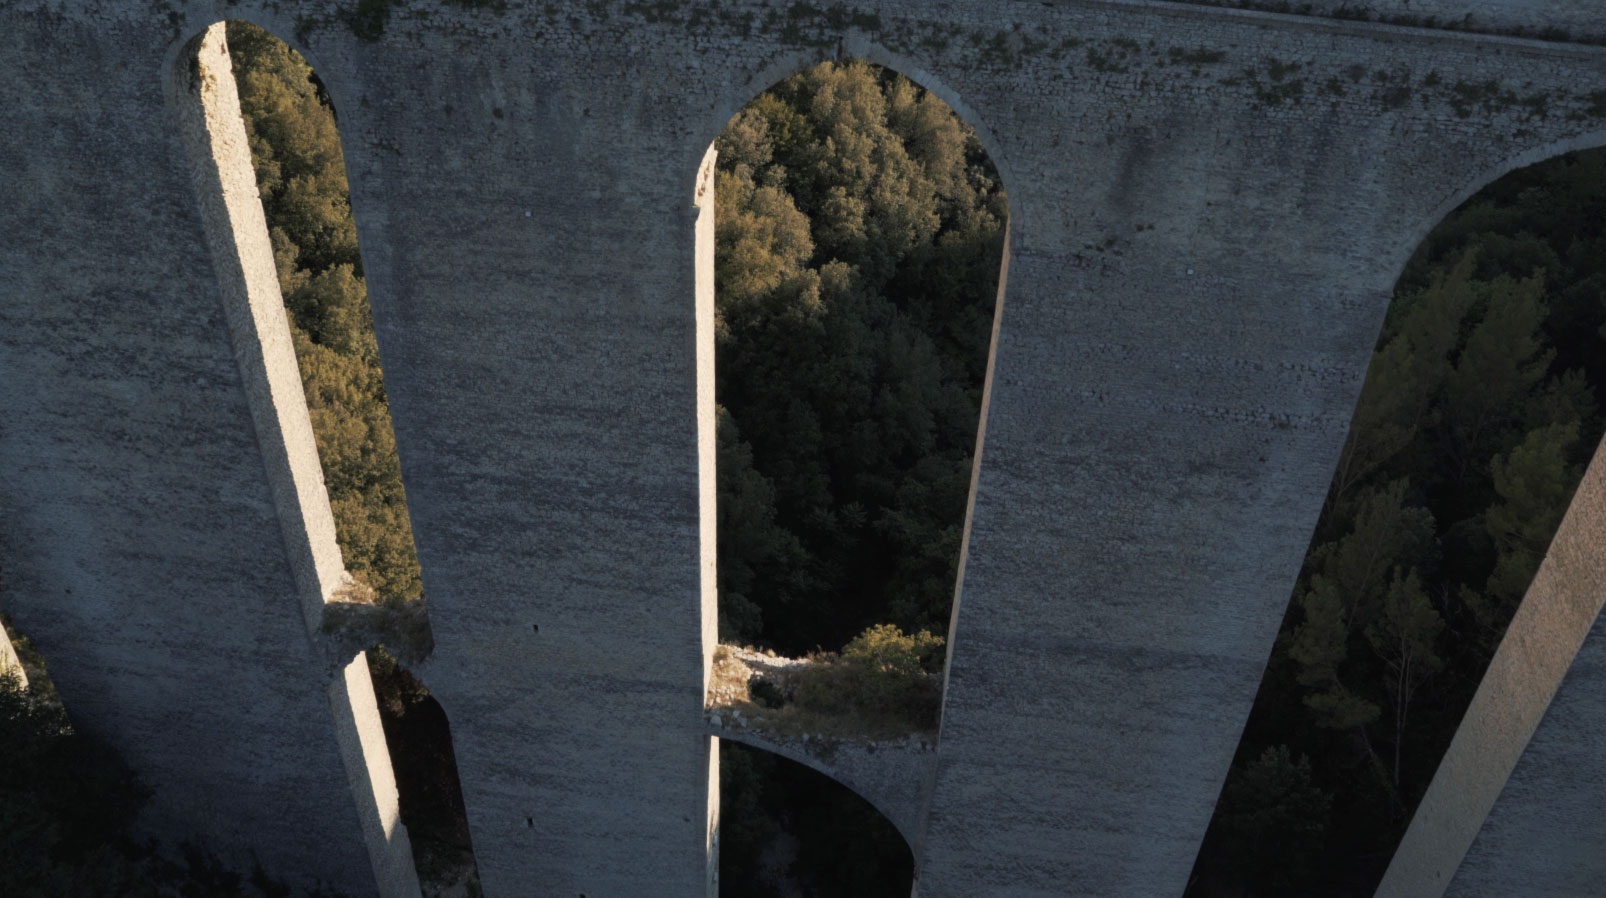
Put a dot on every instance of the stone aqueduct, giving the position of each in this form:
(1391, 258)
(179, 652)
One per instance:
(1209, 208)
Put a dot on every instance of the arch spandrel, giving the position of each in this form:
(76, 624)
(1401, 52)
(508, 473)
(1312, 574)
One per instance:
(1462, 184)
(892, 775)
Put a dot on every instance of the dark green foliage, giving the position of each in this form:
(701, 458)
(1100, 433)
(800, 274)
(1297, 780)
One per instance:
(300, 173)
(845, 688)
(1273, 818)
(752, 548)
(883, 684)
(882, 674)
(859, 235)
(1479, 411)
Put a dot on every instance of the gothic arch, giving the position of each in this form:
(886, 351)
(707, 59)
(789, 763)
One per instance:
(727, 106)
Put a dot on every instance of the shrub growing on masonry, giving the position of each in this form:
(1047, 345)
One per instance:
(886, 649)
(881, 673)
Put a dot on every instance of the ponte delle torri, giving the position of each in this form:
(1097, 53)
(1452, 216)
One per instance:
(1192, 297)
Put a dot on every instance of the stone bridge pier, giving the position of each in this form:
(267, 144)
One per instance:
(1209, 208)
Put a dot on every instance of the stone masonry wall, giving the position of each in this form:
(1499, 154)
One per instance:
(1209, 208)
(142, 542)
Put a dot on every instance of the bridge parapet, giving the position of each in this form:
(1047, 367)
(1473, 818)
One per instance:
(1555, 20)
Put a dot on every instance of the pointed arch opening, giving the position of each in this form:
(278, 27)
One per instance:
(1481, 411)
(851, 236)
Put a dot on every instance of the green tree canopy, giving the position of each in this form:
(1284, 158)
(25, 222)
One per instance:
(859, 237)
(295, 149)
(1478, 413)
